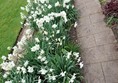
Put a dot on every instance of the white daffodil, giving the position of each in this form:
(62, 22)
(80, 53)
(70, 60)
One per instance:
(81, 65)
(43, 71)
(39, 80)
(43, 59)
(35, 48)
(18, 68)
(69, 54)
(75, 25)
(54, 26)
(42, 51)
(23, 81)
(7, 65)
(30, 69)
(8, 81)
(4, 57)
(22, 8)
(58, 31)
(73, 78)
(23, 70)
(26, 63)
(37, 40)
(49, 6)
(76, 54)
(79, 59)
(57, 4)
(63, 73)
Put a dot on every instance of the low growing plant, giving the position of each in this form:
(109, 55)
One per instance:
(47, 56)
(110, 9)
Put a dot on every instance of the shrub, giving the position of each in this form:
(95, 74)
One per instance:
(110, 9)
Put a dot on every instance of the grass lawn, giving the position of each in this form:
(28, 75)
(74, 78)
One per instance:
(9, 23)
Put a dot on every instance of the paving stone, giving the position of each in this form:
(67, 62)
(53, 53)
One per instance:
(105, 37)
(99, 27)
(84, 31)
(85, 21)
(93, 10)
(97, 17)
(83, 12)
(93, 73)
(92, 3)
(110, 70)
(98, 54)
(87, 42)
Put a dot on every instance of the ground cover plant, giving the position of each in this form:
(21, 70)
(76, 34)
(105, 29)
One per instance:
(9, 23)
(110, 9)
(45, 53)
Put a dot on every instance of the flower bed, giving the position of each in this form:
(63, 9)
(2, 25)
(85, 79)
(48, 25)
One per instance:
(110, 9)
(47, 55)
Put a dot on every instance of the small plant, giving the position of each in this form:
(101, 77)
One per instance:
(110, 9)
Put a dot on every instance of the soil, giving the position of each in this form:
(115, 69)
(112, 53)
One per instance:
(73, 35)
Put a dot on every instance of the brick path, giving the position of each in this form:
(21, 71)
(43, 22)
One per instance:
(98, 44)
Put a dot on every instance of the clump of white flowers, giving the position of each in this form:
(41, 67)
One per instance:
(43, 56)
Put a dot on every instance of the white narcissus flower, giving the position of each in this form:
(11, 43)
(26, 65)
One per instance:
(37, 40)
(49, 6)
(51, 70)
(57, 4)
(79, 59)
(28, 1)
(46, 62)
(8, 48)
(26, 63)
(12, 57)
(58, 31)
(28, 31)
(22, 8)
(63, 73)
(46, 38)
(7, 65)
(39, 57)
(23, 70)
(45, 32)
(73, 6)
(63, 14)
(69, 54)
(5, 75)
(73, 78)
(75, 25)
(43, 59)
(4, 57)
(18, 68)
(52, 77)
(42, 1)
(35, 48)
(39, 80)
(43, 71)
(8, 81)
(22, 15)
(23, 81)
(66, 1)
(42, 51)
(76, 54)
(81, 65)
(30, 69)
(54, 26)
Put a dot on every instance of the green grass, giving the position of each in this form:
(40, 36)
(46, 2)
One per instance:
(9, 23)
